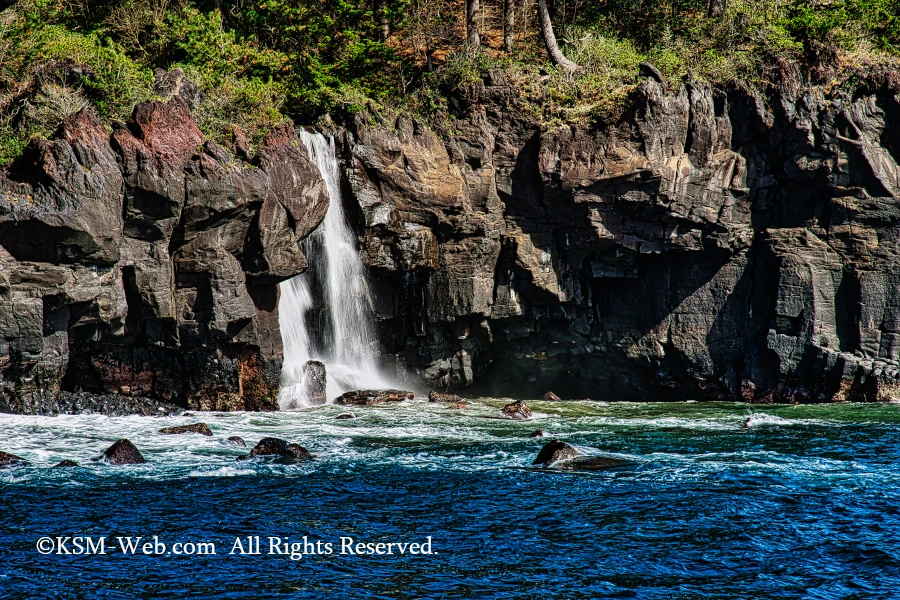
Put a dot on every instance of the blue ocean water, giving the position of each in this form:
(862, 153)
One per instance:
(719, 501)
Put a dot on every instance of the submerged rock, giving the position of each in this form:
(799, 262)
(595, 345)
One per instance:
(11, 460)
(517, 410)
(367, 397)
(123, 452)
(236, 441)
(201, 428)
(459, 406)
(555, 451)
(66, 463)
(559, 455)
(345, 416)
(277, 448)
(551, 397)
(537, 433)
(434, 396)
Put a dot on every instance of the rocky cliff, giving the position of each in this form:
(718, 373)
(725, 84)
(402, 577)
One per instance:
(706, 244)
(145, 261)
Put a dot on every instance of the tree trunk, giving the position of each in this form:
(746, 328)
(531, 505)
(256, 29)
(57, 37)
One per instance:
(509, 24)
(553, 50)
(473, 10)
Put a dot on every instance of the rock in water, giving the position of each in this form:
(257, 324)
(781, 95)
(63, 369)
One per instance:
(236, 441)
(551, 397)
(367, 397)
(123, 452)
(537, 433)
(459, 406)
(589, 463)
(345, 416)
(555, 451)
(280, 449)
(314, 382)
(439, 397)
(11, 460)
(66, 463)
(201, 428)
(517, 410)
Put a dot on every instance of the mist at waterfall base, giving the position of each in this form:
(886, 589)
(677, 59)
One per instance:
(325, 312)
(804, 502)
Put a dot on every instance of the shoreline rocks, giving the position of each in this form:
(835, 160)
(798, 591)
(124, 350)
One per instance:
(434, 396)
(200, 428)
(370, 397)
(517, 410)
(123, 452)
(11, 460)
(269, 448)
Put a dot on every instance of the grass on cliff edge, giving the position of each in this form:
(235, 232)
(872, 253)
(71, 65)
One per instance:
(260, 63)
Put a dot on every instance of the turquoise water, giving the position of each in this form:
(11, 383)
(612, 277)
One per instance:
(803, 502)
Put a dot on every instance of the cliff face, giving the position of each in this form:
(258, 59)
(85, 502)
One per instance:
(146, 262)
(705, 245)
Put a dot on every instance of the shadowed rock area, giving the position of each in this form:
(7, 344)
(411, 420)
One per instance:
(145, 263)
(705, 244)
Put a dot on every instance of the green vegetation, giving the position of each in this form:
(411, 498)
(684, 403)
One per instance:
(259, 63)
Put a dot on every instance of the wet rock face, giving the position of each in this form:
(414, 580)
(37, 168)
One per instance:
(201, 428)
(438, 397)
(278, 449)
(555, 451)
(145, 263)
(11, 460)
(367, 397)
(704, 245)
(517, 410)
(123, 452)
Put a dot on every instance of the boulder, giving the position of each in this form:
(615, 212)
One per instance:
(459, 406)
(11, 460)
(367, 397)
(66, 463)
(517, 410)
(201, 428)
(555, 451)
(123, 452)
(278, 449)
(439, 397)
(345, 416)
(236, 441)
(550, 397)
(558, 455)
(537, 433)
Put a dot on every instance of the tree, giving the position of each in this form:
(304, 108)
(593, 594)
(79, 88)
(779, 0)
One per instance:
(553, 50)
(473, 10)
(509, 24)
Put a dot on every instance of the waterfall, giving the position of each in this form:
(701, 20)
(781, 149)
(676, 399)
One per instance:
(326, 312)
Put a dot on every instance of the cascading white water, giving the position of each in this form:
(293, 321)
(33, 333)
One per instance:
(326, 312)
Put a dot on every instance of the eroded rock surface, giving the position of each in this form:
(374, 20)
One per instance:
(145, 262)
(703, 245)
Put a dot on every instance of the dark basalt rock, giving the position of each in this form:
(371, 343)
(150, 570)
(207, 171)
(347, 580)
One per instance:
(589, 463)
(555, 451)
(66, 463)
(367, 397)
(236, 441)
(278, 449)
(345, 416)
(11, 460)
(201, 428)
(550, 397)
(439, 397)
(123, 452)
(517, 410)
(538, 433)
